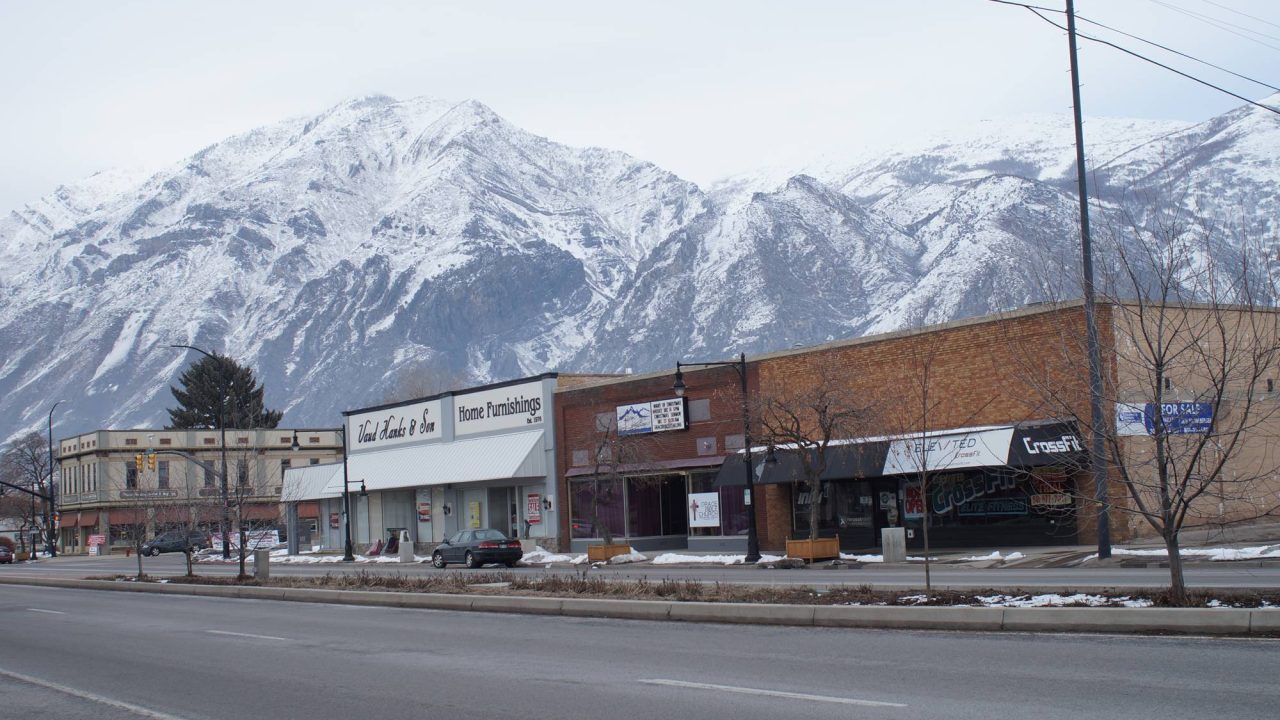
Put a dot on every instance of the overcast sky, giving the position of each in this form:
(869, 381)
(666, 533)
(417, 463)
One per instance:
(704, 89)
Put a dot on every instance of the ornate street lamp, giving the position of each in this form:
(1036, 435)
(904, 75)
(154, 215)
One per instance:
(740, 365)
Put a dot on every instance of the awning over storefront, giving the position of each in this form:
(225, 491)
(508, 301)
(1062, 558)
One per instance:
(89, 518)
(497, 457)
(127, 516)
(310, 509)
(260, 511)
(309, 482)
(69, 520)
(656, 466)
(1024, 445)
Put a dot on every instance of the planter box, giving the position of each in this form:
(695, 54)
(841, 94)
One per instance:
(820, 549)
(18, 556)
(602, 553)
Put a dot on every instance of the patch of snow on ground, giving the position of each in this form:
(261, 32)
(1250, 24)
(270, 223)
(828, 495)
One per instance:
(541, 556)
(1056, 600)
(995, 555)
(679, 559)
(629, 557)
(1213, 554)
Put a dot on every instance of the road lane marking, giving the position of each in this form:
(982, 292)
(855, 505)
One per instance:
(51, 612)
(247, 635)
(773, 693)
(84, 695)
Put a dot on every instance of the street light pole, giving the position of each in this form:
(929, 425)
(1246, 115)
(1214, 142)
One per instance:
(740, 365)
(53, 493)
(347, 555)
(222, 431)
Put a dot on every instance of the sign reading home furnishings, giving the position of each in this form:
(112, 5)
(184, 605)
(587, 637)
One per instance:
(504, 408)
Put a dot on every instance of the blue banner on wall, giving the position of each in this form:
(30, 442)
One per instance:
(1179, 418)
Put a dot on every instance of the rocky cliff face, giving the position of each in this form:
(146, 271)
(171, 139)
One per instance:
(337, 252)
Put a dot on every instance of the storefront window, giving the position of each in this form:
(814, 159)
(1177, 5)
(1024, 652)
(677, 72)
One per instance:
(801, 509)
(975, 506)
(733, 506)
(588, 509)
(644, 506)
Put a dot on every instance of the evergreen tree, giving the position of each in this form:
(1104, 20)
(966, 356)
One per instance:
(201, 399)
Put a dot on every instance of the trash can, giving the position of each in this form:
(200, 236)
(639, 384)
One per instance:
(893, 543)
(406, 547)
(261, 565)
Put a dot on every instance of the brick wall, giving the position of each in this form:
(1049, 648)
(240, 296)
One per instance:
(1024, 366)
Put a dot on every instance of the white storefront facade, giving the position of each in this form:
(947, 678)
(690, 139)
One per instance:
(481, 457)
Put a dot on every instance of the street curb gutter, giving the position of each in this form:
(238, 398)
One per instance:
(1181, 621)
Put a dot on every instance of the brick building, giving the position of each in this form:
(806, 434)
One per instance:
(992, 406)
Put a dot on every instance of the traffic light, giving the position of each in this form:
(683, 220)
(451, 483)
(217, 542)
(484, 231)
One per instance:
(151, 461)
(137, 462)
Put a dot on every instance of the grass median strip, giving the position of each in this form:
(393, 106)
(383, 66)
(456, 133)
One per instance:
(687, 590)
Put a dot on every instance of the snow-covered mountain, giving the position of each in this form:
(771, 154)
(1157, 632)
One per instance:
(335, 253)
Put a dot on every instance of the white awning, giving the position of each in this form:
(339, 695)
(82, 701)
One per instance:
(498, 457)
(311, 482)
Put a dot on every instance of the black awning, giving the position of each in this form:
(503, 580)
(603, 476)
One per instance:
(850, 460)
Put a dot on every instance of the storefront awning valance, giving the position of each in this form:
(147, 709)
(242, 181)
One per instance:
(1023, 445)
(656, 466)
(69, 520)
(309, 482)
(309, 509)
(260, 511)
(497, 457)
(127, 516)
(88, 518)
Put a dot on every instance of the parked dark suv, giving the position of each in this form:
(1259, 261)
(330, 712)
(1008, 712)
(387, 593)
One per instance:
(177, 541)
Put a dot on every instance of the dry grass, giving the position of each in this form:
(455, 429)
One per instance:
(561, 585)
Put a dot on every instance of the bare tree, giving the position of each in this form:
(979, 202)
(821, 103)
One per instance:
(1194, 340)
(423, 378)
(915, 415)
(809, 420)
(25, 464)
(612, 454)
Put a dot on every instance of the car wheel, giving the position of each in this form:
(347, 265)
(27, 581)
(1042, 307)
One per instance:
(154, 552)
(437, 560)
(470, 560)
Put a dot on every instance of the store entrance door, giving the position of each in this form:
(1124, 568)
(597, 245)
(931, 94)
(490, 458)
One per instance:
(855, 515)
(503, 513)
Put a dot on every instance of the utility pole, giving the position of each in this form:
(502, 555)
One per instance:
(1097, 452)
(53, 492)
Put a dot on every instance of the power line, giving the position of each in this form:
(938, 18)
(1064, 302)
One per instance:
(1244, 14)
(1220, 24)
(1180, 53)
(1037, 10)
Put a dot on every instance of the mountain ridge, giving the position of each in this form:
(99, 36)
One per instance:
(337, 252)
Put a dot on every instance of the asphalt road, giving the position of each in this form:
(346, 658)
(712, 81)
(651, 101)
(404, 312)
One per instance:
(1218, 575)
(88, 654)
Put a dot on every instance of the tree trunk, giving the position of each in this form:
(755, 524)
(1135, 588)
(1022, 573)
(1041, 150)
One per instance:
(924, 530)
(1177, 583)
(815, 508)
(137, 551)
(243, 575)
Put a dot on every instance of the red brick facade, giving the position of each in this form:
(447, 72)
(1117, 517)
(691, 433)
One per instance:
(989, 371)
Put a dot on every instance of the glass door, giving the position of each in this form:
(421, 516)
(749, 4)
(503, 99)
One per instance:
(855, 514)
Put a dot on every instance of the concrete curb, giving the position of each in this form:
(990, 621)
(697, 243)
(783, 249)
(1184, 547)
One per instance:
(1180, 621)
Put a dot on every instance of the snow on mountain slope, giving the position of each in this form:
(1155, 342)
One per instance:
(353, 243)
(335, 252)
